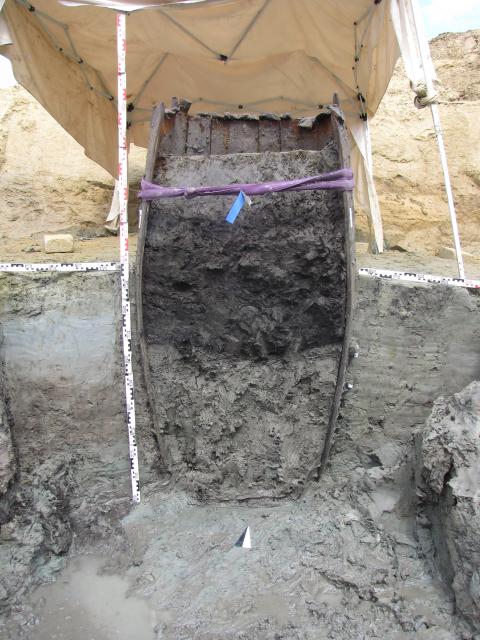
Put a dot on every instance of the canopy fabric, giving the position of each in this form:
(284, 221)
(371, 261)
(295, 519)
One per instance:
(254, 56)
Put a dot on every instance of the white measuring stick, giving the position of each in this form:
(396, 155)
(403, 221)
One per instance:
(124, 263)
(64, 267)
(425, 278)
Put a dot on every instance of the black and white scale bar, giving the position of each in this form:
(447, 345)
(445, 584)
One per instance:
(64, 267)
(424, 278)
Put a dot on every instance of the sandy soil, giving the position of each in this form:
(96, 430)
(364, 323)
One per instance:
(417, 262)
(48, 185)
(106, 249)
(406, 166)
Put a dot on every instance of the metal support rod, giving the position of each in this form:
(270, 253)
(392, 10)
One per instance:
(124, 261)
(425, 56)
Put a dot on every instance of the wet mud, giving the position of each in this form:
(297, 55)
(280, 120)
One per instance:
(87, 602)
(359, 556)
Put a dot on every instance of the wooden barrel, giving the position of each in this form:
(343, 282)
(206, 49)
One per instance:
(245, 327)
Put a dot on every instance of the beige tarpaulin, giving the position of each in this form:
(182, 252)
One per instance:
(281, 56)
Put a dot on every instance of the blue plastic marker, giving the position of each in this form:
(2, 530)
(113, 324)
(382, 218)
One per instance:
(237, 206)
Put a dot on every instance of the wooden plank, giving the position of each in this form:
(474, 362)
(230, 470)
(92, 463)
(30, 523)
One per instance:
(179, 137)
(219, 137)
(294, 137)
(288, 135)
(174, 135)
(316, 138)
(341, 139)
(198, 135)
(202, 135)
(307, 138)
(166, 135)
(324, 130)
(269, 135)
(243, 136)
(156, 128)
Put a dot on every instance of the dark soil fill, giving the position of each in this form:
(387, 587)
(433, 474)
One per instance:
(244, 323)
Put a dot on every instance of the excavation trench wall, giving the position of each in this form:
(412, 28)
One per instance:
(416, 343)
(60, 346)
(63, 373)
(64, 392)
(63, 389)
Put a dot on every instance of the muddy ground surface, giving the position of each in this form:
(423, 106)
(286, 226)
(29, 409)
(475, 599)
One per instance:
(349, 559)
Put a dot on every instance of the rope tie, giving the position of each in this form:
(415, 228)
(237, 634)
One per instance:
(422, 98)
(340, 180)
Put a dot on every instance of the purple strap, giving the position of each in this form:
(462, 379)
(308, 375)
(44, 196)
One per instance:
(341, 180)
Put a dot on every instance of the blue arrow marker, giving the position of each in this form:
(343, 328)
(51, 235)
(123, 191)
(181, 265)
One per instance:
(237, 206)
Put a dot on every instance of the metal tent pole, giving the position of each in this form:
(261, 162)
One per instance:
(124, 262)
(425, 56)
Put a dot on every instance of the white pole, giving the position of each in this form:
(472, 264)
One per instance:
(377, 246)
(368, 146)
(124, 263)
(425, 55)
